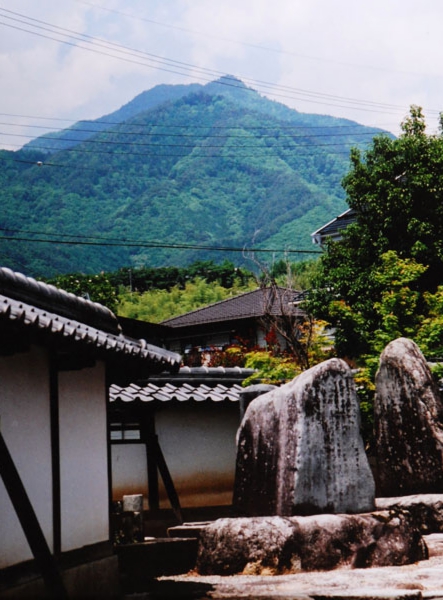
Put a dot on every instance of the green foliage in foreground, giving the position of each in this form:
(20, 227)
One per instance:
(384, 278)
(373, 284)
(275, 366)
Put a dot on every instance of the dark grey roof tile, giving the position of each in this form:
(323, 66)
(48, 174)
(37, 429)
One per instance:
(169, 392)
(250, 304)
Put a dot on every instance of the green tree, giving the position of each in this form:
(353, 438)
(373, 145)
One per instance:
(157, 305)
(396, 190)
(96, 288)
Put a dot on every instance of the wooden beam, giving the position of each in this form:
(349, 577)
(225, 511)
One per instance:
(55, 444)
(153, 494)
(149, 437)
(169, 484)
(29, 522)
(156, 461)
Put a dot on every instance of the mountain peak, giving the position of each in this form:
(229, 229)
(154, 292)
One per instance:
(229, 80)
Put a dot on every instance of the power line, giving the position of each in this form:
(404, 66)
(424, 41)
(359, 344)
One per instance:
(306, 95)
(167, 145)
(119, 126)
(225, 156)
(246, 44)
(160, 245)
(101, 121)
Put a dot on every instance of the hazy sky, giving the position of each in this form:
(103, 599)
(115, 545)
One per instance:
(78, 59)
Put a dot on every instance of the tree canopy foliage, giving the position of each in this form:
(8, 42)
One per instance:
(382, 279)
(155, 294)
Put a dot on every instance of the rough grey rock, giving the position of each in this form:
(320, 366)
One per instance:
(300, 450)
(426, 510)
(408, 414)
(251, 392)
(276, 545)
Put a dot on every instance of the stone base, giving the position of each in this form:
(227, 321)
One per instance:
(278, 545)
(426, 510)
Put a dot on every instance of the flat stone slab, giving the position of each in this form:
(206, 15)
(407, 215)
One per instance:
(426, 510)
(420, 581)
(188, 530)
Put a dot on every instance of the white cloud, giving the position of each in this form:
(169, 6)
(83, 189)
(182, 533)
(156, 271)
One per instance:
(387, 53)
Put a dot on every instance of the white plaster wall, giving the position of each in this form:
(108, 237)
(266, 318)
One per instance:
(129, 470)
(83, 457)
(198, 442)
(25, 425)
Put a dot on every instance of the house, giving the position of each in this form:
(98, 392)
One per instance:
(333, 229)
(58, 356)
(245, 318)
(182, 426)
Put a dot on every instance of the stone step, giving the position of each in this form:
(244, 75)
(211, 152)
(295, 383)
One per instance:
(188, 530)
(141, 563)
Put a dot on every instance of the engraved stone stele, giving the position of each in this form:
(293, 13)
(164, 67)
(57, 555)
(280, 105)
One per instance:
(300, 449)
(408, 414)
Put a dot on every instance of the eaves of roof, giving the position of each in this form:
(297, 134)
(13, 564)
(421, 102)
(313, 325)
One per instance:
(54, 300)
(334, 227)
(71, 333)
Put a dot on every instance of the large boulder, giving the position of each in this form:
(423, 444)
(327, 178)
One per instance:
(300, 449)
(276, 545)
(408, 414)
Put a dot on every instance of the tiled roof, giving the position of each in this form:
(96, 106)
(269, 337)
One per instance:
(189, 383)
(48, 297)
(182, 393)
(250, 304)
(34, 316)
(196, 375)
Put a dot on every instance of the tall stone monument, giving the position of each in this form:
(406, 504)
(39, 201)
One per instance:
(300, 450)
(408, 414)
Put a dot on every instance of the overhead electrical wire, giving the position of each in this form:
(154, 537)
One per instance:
(377, 128)
(185, 69)
(118, 130)
(243, 43)
(42, 162)
(60, 239)
(202, 136)
(165, 145)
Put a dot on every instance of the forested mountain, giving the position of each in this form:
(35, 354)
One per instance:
(211, 166)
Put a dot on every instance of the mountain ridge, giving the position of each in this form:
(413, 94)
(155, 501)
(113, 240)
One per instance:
(212, 165)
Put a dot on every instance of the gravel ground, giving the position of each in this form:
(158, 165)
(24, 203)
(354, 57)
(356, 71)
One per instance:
(420, 581)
